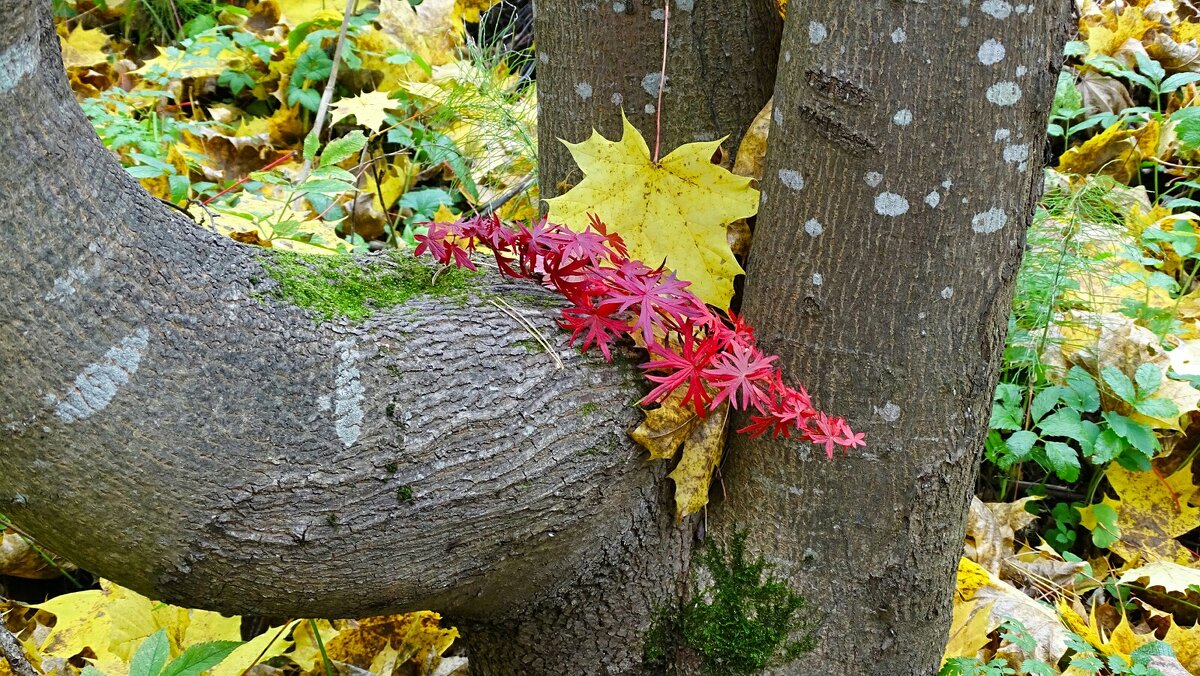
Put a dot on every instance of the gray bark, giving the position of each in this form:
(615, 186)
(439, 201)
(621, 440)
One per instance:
(903, 167)
(598, 58)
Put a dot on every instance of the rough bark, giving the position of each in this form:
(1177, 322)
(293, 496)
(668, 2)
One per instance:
(599, 57)
(901, 175)
(170, 424)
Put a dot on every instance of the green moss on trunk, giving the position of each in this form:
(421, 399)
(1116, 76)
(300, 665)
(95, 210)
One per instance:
(354, 287)
(747, 621)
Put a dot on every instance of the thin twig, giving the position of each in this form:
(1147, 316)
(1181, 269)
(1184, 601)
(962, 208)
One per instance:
(10, 649)
(494, 205)
(327, 95)
(662, 78)
(533, 330)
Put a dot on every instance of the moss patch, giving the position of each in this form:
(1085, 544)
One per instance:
(747, 621)
(335, 287)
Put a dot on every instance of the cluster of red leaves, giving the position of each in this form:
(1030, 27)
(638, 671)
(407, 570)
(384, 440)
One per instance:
(691, 346)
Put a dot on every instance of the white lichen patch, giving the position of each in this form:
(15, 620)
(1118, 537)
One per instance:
(1001, 135)
(997, 9)
(17, 61)
(948, 292)
(95, 388)
(777, 115)
(1017, 154)
(1004, 93)
(873, 178)
(818, 279)
(964, 21)
(618, 7)
(658, 14)
(348, 394)
(899, 36)
(991, 52)
(947, 184)
(813, 227)
(649, 109)
(584, 90)
(685, 5)
(933, 199)
(1021, 70)
(989, 221)
(902, 118)
(64, 286)
(617, 98)
(816, 32)
(792, 179)
(890, 412)
(543, 57)
(787, 56)
(890, 204)
(650, 83)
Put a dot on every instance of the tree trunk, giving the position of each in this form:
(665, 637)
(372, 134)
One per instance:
(598, 58)
(902, 171)
(168, 422)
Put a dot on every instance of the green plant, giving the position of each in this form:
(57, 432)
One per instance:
(150, 659)
(746, 621)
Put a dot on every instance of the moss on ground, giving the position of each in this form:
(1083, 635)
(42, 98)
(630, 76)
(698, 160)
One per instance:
(336, 287)
(747, 621)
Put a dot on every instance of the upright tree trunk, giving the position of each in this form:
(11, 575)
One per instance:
(902, 172)
(598, 58)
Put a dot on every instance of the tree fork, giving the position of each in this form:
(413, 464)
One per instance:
(596, 59)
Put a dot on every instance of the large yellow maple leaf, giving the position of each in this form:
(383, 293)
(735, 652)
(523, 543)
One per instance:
(675, 209)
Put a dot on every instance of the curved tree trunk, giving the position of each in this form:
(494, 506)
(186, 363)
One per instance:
(902, 172)
(169, 423)
(596, 59)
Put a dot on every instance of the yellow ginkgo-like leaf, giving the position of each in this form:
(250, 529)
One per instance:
(675, 209)
(367, 109)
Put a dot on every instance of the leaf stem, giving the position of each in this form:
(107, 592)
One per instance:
(327, 95)
(662, 79)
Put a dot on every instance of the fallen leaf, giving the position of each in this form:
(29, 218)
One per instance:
(990, 530)
(684, 205)
(1151, 513)
(367, 109)
(701, 455)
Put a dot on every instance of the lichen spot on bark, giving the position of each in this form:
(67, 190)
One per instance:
(348, 394)
(17, 61)
(792, 179)
(584, 90)
(1004, 93)
(899, 36)
(991, 52)
(95, 388)
(902, 118)
(890, 204)
(933, 199)
(354, 287)
(813, 227)
(997, 9)
(816, 32)
(989, 221)
(873, 178)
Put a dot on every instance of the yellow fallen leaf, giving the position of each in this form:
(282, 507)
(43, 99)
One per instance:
(375, 641)
(1003, 602)
(367, 109)
(1120, 640)
(271, 643)
(990, 530)
(469, 10)
(701, 455)
(1114, 29)
(666, 427)
(968, 629)
(683, 204)
(296, 12)
(1151, 512)
(1116, 152)
(113, 621)
(83, 48)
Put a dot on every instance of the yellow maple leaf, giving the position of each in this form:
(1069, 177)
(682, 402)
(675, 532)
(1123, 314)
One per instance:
(1116, 152)
(469, 10)
(113, 621)
(84, 48)
(367, 109)
(1151, 512)
(676, 209)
